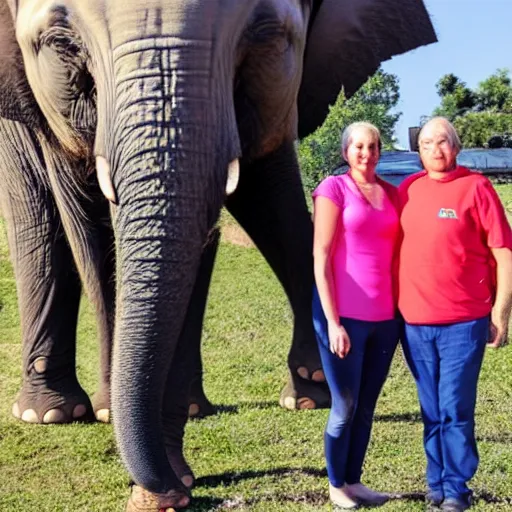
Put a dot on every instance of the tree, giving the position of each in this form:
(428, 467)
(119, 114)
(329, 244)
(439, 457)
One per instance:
(482, 117)
(495, 93)
(319, 153)
(456, 97)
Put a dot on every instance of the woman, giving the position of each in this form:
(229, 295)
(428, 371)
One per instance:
(355, 236)
(455, 296)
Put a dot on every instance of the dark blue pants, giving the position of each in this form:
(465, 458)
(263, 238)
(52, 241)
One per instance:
(445, 361)
(355, 383)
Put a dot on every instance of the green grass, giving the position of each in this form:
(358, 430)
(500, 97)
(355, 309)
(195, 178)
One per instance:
(505, 193)
(253, 456)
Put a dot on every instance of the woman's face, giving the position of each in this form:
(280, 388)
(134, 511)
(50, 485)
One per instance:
(436, 150)
(363, 151)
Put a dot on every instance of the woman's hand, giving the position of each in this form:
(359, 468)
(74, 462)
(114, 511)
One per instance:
(339, 342)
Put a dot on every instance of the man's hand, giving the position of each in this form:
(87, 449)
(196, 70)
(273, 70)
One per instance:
(498, 332)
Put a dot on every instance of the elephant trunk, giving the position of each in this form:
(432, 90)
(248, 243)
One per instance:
(169, 167)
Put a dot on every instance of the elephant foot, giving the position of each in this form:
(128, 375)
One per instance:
(144, 501)
(180, 467)
(299, 393)
(101, 404)
(198, 405)
(44, 401)
(305, 362)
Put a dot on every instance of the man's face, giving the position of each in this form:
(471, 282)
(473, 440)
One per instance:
(436, 150)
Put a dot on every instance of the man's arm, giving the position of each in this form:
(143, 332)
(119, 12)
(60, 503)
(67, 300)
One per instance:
(503, 304)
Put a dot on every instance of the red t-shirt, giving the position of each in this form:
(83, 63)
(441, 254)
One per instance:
(447, 272)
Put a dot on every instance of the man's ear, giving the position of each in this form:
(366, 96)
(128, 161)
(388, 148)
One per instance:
(347, 42)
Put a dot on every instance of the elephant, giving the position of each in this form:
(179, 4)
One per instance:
(50, 391)
(171, 109)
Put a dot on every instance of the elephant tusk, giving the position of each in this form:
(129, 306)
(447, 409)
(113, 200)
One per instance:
(105, 180)
(233, 176)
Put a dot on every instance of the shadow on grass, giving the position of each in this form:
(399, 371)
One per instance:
(314, 498)
(233, 478)
(311, 498)
(501, 438)
(406, 417)
(235, 409)
(407, 496)
(318, 498)
(484, 496)
(489, 498)
(206, 504)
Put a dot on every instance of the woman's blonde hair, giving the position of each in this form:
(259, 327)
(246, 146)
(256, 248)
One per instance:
(349, 130)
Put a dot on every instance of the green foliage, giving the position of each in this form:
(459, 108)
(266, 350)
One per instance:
(253, 456)
(319, 153)
(447, 84)
(483, 117)
(476, 129)
(457, 99)
(495, 93)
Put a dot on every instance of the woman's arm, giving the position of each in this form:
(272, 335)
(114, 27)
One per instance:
(326, 216)
(503, 304)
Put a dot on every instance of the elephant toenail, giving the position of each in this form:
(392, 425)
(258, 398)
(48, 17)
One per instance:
(318, 376)
(79, 411)
(193, 410)
(303, 372)
(30, 416)
(187, 481)
(103, 415)
(54, 416)
(290, 402)
(41, 364)
(184, 502)
(16, 411)
(306, 403)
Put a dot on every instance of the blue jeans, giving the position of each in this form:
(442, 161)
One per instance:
(445, 361)
(355, 383)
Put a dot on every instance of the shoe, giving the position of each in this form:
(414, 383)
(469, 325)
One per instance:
(434, 498)
(366, 496)
(455, 505)
(340, 497)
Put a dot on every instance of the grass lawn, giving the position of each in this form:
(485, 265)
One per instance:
(254, 455)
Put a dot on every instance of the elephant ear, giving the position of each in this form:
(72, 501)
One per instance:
(17, 102)
(347, 41)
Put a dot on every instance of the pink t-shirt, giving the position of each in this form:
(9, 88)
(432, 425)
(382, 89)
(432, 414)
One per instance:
(363, 251)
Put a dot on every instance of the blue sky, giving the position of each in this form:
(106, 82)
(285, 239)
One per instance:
(475, 39)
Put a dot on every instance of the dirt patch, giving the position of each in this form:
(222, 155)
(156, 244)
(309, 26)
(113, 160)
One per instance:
(235, 235)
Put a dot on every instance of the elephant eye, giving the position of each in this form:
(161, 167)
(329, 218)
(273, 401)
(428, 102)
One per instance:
(270, 33)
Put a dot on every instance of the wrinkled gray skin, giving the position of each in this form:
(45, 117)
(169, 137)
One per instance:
(173, 92)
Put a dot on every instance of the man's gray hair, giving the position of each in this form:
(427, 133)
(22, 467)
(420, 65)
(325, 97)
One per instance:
(451, 132)
(349, 130)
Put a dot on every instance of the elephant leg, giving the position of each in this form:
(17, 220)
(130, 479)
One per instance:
(186, 369)
(47, 283)
(269, 204)
(199, 405)
(98, 212)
